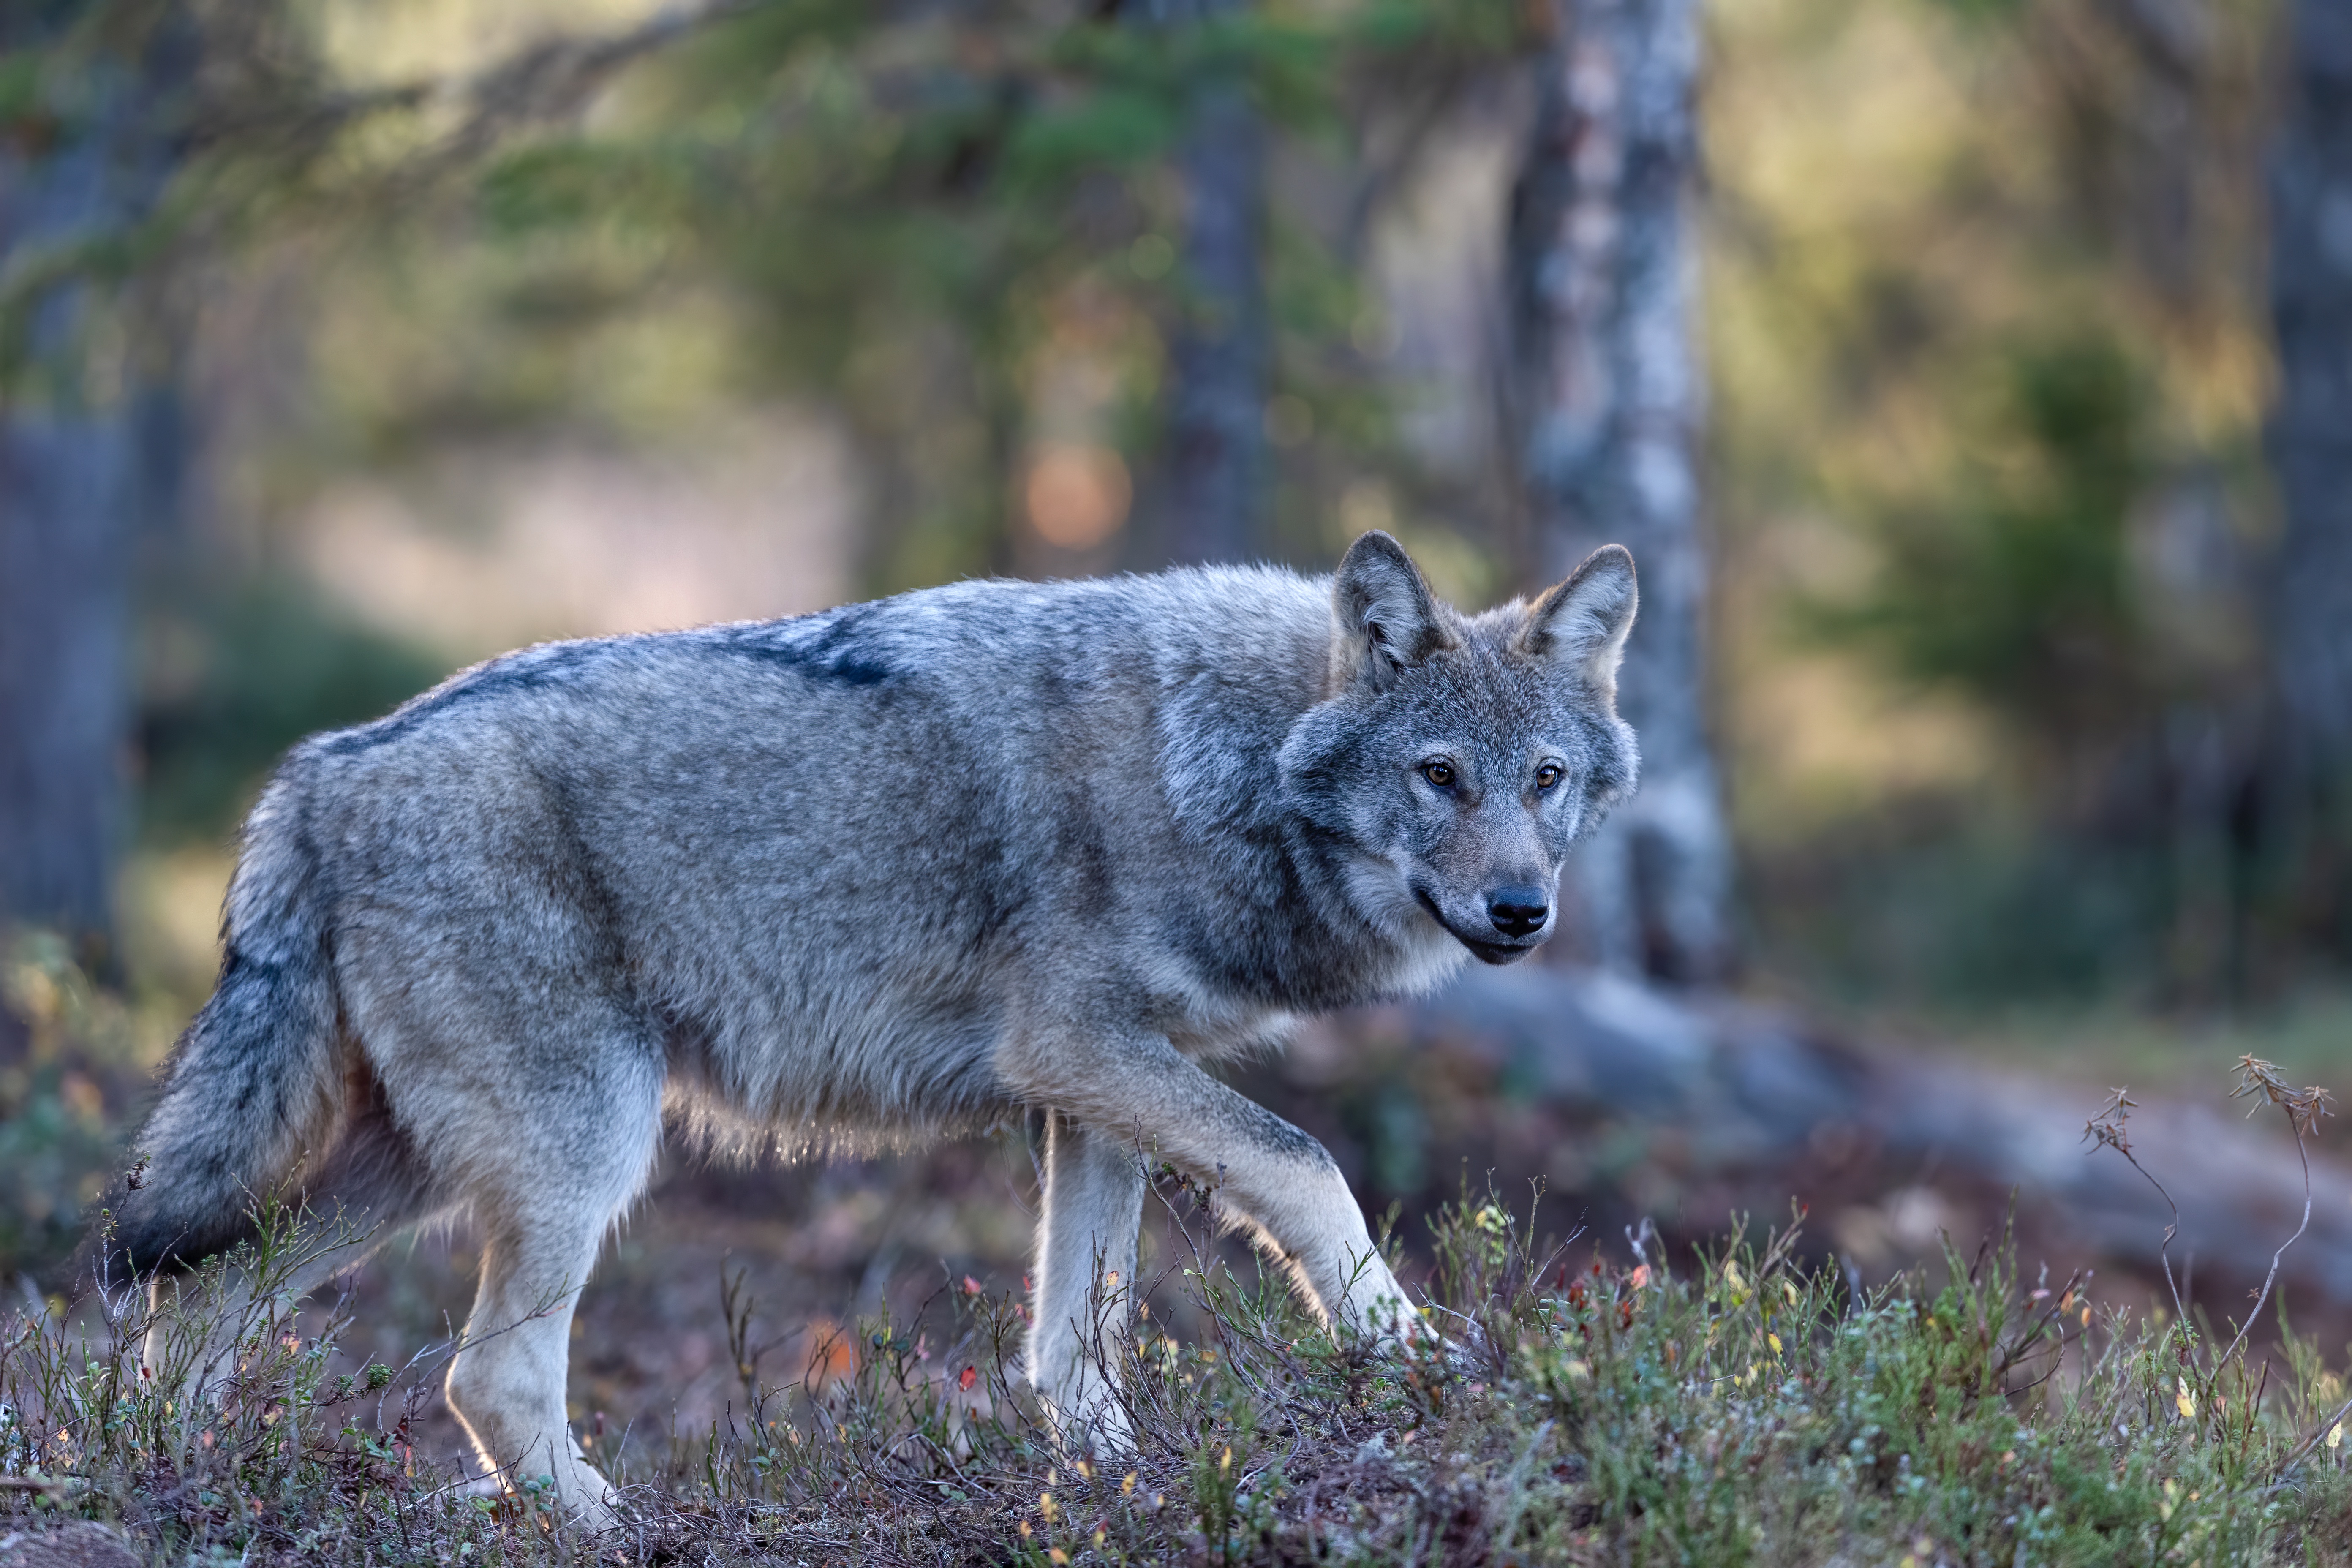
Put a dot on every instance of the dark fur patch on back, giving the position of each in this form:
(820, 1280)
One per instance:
(531, 671)
(840, 653)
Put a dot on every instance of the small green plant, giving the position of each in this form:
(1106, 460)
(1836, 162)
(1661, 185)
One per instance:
(204, 1417)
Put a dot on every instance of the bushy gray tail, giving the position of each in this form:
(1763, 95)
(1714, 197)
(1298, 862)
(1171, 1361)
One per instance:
(256, 1081)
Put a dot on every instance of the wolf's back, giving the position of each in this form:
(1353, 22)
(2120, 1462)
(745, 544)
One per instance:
(254, 1082)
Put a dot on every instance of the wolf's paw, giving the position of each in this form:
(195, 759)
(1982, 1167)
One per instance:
(1104, 1433)
(572, 1493)
(586, 1497)
(1435, 1338)
(1095, 1424)
(1378, 1310)
(1467, 1349)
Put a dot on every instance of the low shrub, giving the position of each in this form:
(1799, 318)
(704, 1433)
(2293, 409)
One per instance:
(1742, 1407)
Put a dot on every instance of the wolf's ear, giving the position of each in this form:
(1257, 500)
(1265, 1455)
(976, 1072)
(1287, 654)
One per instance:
(1382, 616)
(1582, 624)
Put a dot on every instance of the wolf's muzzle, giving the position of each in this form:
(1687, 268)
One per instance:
(1519, 911)
(1494, 952)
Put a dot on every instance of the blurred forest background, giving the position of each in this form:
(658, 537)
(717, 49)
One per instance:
(1971, 378)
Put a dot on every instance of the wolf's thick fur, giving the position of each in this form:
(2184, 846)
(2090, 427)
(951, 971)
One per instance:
(900, 868)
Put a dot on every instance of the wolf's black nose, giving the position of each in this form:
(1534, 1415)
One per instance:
(1518, 912)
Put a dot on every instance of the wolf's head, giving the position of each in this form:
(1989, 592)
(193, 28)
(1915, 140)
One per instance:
(1456, 758)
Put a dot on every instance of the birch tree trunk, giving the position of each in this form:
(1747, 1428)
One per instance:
(1213, 501)
(88, 450)
(2311, 428)
(1610, 402)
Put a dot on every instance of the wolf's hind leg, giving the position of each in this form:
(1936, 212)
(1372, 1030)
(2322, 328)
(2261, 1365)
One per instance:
(1086, 1269)
(562, 1173)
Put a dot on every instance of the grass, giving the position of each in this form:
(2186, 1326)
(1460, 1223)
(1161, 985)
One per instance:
(1743, 1407)
(1602, 1404)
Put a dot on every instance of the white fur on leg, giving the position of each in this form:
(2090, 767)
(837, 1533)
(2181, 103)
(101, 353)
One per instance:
(1305, 1214)
(1086, 1267)
(507, 1387)
(1373, 1303)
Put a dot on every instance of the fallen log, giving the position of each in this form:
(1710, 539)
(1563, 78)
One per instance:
(1732, 1106)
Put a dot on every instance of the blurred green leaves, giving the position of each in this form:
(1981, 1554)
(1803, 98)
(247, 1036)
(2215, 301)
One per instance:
(231, 682)
(73, 1059)
(909, 212)
(2015, 589)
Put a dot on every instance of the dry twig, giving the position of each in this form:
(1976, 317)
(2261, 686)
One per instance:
(2304, 1109)
(2108, 1127)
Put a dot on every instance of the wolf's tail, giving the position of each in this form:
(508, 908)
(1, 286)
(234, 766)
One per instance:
(258, 1081)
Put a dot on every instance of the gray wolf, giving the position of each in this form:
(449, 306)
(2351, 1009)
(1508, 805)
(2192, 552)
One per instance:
(895, 870)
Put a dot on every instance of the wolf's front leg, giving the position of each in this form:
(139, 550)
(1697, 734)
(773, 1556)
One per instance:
(1279, 1183)
(1084, 1286)
(1291, 1195)
(1265, 1173)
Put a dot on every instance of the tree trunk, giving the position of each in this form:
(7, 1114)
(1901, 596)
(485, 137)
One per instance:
(87, 452)
(1610, 402)
(2311, 429)
(1213, 496)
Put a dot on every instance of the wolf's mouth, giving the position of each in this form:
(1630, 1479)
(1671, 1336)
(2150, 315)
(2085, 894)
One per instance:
(1494, 952)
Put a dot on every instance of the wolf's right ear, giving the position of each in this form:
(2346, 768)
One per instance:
(1383, 618)
(1582, 623)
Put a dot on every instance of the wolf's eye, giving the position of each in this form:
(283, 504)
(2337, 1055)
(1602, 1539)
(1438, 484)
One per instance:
(1439, 774)
(1549, 775)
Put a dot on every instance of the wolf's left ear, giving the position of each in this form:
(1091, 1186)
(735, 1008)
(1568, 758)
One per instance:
(1582, 623)
(1383, 618)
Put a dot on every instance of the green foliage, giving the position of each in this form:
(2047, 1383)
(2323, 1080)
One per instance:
(1989, 346)
(232, 682)
(1755, 1411)
(71, 1058)
(1946, 914)
(2017, 590)
(1915, 1413)
(906, 215)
